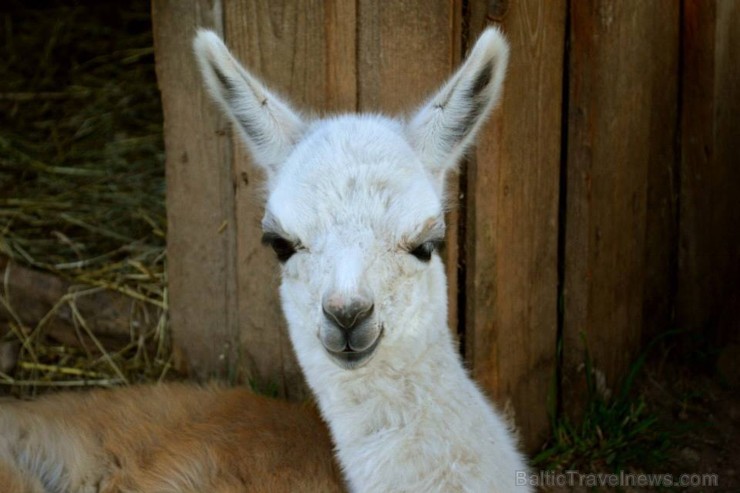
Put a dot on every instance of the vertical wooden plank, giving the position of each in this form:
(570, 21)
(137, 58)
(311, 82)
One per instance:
(305, 50)
(616, 131)
(406, 51)
(727, 207)
(200, 201)
(661, 227)
(709, 255)
(512, 210)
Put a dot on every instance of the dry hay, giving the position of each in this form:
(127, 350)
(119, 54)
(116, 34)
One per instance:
(82, 187)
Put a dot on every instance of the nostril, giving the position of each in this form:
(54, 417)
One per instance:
(348, 316)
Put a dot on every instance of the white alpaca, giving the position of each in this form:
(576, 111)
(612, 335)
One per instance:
(354, 212)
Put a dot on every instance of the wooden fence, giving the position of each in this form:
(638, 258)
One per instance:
(597, 209)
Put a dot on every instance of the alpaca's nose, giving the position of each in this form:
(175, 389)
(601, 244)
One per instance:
(346, 312)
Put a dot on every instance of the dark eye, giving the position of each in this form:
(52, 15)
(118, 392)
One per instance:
(284, 249)
(424, 251)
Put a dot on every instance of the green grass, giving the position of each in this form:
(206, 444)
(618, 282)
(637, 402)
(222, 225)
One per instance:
(615, 433)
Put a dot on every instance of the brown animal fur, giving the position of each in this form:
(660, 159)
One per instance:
(166, 438)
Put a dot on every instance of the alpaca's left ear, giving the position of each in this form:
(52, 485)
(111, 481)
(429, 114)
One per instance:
(443, 129)
(267, 123)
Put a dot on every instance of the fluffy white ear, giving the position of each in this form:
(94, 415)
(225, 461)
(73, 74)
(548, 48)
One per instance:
(269, 126)
(446, 125)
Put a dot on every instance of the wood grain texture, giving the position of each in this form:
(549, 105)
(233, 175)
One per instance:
(661, 215)
(306, 51)
(512, 213)
(619, 127)
(709, 254)
(406, 50)
(200, 198)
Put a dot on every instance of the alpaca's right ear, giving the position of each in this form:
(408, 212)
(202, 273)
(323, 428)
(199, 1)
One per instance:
(269, 126)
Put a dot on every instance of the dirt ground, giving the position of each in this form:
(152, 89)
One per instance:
(704, 407)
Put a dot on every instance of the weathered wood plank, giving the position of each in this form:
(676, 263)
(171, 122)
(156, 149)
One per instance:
(306, 50)
(661, 227)
(512, 210)
(200, 239)
(619, 127)
(709, 254)
(406, 51)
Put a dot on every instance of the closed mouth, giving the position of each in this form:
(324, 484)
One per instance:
(350, 359)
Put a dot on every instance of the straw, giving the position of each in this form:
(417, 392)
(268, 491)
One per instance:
(82, 184)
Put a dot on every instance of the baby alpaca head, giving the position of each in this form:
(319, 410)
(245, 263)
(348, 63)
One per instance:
(355, 207)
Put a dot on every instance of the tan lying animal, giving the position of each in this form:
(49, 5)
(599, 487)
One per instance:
(167, 438)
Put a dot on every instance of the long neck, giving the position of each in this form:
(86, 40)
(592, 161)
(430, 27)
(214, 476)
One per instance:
(391, 392)
(400, 426)
(411, 419)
